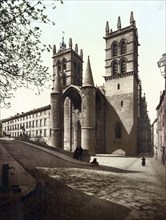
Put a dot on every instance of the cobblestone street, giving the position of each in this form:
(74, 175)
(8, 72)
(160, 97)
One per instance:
(138, 188)
(65, 190)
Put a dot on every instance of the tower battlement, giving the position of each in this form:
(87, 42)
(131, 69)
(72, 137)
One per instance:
(64, 49)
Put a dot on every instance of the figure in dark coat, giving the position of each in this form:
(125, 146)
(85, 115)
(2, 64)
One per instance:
(95, 162)
(78, 153)
(143, 161)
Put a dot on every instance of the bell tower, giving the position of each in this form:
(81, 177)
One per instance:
(67, 71)
(121, 80)
(68, 63)
(122, 49)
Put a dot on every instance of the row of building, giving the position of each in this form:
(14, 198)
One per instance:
(101, 119)
(159, 130)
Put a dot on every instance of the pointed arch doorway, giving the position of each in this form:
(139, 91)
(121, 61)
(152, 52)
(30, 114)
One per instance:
(71, 119)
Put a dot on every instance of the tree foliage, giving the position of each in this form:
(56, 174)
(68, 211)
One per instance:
(21, 64)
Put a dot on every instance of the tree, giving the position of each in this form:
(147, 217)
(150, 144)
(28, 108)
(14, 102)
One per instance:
(20, 46)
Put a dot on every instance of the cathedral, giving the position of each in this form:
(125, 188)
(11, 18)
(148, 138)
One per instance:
(100, 119)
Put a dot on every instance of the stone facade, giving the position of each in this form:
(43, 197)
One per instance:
(34, 124)
(159, 130)
(100, 119)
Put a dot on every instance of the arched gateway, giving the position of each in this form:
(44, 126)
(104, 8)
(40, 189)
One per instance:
(72, 115)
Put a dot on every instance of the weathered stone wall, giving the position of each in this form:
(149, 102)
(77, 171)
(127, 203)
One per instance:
(121, 107)
(55, 120)
(67, 142)
(100, 124)
(88, 138)
(128, 36)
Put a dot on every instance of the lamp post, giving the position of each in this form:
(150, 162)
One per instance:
(162, 65)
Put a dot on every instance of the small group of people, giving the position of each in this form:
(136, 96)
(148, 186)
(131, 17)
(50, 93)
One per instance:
(78, 153)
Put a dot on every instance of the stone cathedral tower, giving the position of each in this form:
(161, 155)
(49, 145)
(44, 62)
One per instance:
(72, 101)
(99, 119)
(122, 88)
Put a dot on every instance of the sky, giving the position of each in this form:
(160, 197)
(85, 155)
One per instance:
(85, 21)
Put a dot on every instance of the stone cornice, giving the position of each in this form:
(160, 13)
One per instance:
(116, 76)
(119, 32)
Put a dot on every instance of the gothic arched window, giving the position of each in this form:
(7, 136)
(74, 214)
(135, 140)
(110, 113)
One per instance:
(123, 68)
(114, 49)
(64, 64)
(114, 67)
(59, 65)
(118, 130)
(123, 47)
(63, 79)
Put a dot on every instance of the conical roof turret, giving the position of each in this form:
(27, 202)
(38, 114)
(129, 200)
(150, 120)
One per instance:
(88, 78)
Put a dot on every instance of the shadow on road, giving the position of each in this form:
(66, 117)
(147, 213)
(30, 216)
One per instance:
(117, 170)
(54, 200)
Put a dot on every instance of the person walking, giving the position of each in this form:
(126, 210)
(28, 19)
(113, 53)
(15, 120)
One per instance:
(143, 161)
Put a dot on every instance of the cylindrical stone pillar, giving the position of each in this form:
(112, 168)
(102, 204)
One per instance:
(55, 119)
(88, 137)
(67, 124)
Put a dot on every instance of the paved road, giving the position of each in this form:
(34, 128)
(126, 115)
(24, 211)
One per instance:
(122, 190)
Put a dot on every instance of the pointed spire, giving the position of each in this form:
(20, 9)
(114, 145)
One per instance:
(88, 78)
(57, 84)
(70, 43)
(54, 49)
(81, 53)
(107, 28)
(132, 21)
(76, 48)
(119, 23)
(62, 45)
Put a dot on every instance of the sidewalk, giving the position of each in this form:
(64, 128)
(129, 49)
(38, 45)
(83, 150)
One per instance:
(18, 177)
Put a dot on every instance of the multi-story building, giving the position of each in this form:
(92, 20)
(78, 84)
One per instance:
(34, 124)
(100, 119)
(155, 138)
(145, 128)
(161, 128)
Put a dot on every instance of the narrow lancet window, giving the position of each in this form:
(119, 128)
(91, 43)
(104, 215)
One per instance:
(118, 130)
(114, 68)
